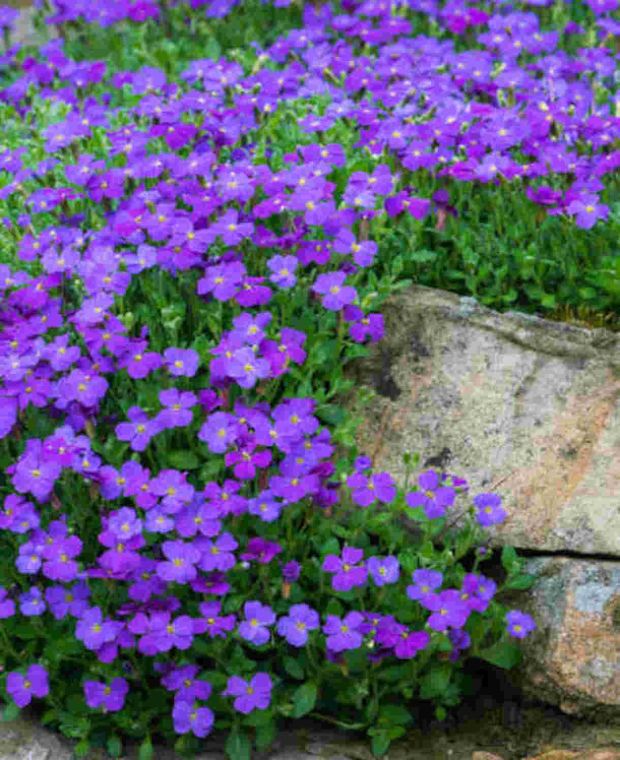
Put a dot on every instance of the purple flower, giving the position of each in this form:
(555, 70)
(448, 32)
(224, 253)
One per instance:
(246, 368)
(125, 524)
(139, 431)
(216, 624)
(109, 697)
(22, 688)
(448, 609)
(294, 627)
(433, 497)
(291, 571)
(265, 506)
(343, 634)
(31, 603)
(366, 490)
(219, 431)
(255, 626)
(230, 229)
(93, 631)
(424, 583)
(282, 270)
(7, 606)
(178, 408)
(489, 509)
(261, 550)
(181, 362)
(218, 554)
(384, 570)
(336, 295)
(347, 572)
(587, 210)
(518, 624)
(255, 695)
(188, 717)
(182, 558)
(63, 601)
(222, 281)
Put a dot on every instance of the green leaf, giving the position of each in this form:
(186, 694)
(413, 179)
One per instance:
(82, 748)
(183, 460)
(114, 746)
(293, 668)
(380, 743)
(521, 582)
(304, 699)
(265, 735)
(10, 712)
(238, 746)
(509, 559)
(395, 715)
(435, 680)
(504, 654)
(146, 751)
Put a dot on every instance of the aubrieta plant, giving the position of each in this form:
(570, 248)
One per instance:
(193, 252)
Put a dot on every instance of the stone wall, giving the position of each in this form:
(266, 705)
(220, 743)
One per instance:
(529, 408)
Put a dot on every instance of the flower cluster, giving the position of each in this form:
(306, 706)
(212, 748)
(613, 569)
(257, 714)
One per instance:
(192, 266)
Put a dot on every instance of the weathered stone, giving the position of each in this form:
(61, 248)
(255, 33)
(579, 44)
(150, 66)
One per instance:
(563, 754)
(26, 740)
(513, 402)
(485, 756)
(573, 658)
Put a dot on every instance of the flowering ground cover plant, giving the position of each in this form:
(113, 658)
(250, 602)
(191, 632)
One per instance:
(194, 248)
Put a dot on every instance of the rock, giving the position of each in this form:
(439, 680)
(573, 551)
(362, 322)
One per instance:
(507, 399)
(23, 739)
(563, 754)
(485, 756)
(573, 658)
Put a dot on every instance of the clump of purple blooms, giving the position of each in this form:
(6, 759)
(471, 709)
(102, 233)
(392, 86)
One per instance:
(192, 266)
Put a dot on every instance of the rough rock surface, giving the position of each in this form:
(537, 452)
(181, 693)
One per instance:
(529, 408)
(573, 658)
(504, 397)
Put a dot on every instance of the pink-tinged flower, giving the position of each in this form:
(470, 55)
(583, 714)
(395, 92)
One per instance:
(252, 695)
(336, 295)
(22, 688)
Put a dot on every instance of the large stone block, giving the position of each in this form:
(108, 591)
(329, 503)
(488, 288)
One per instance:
(512, 402)
(573, 658)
